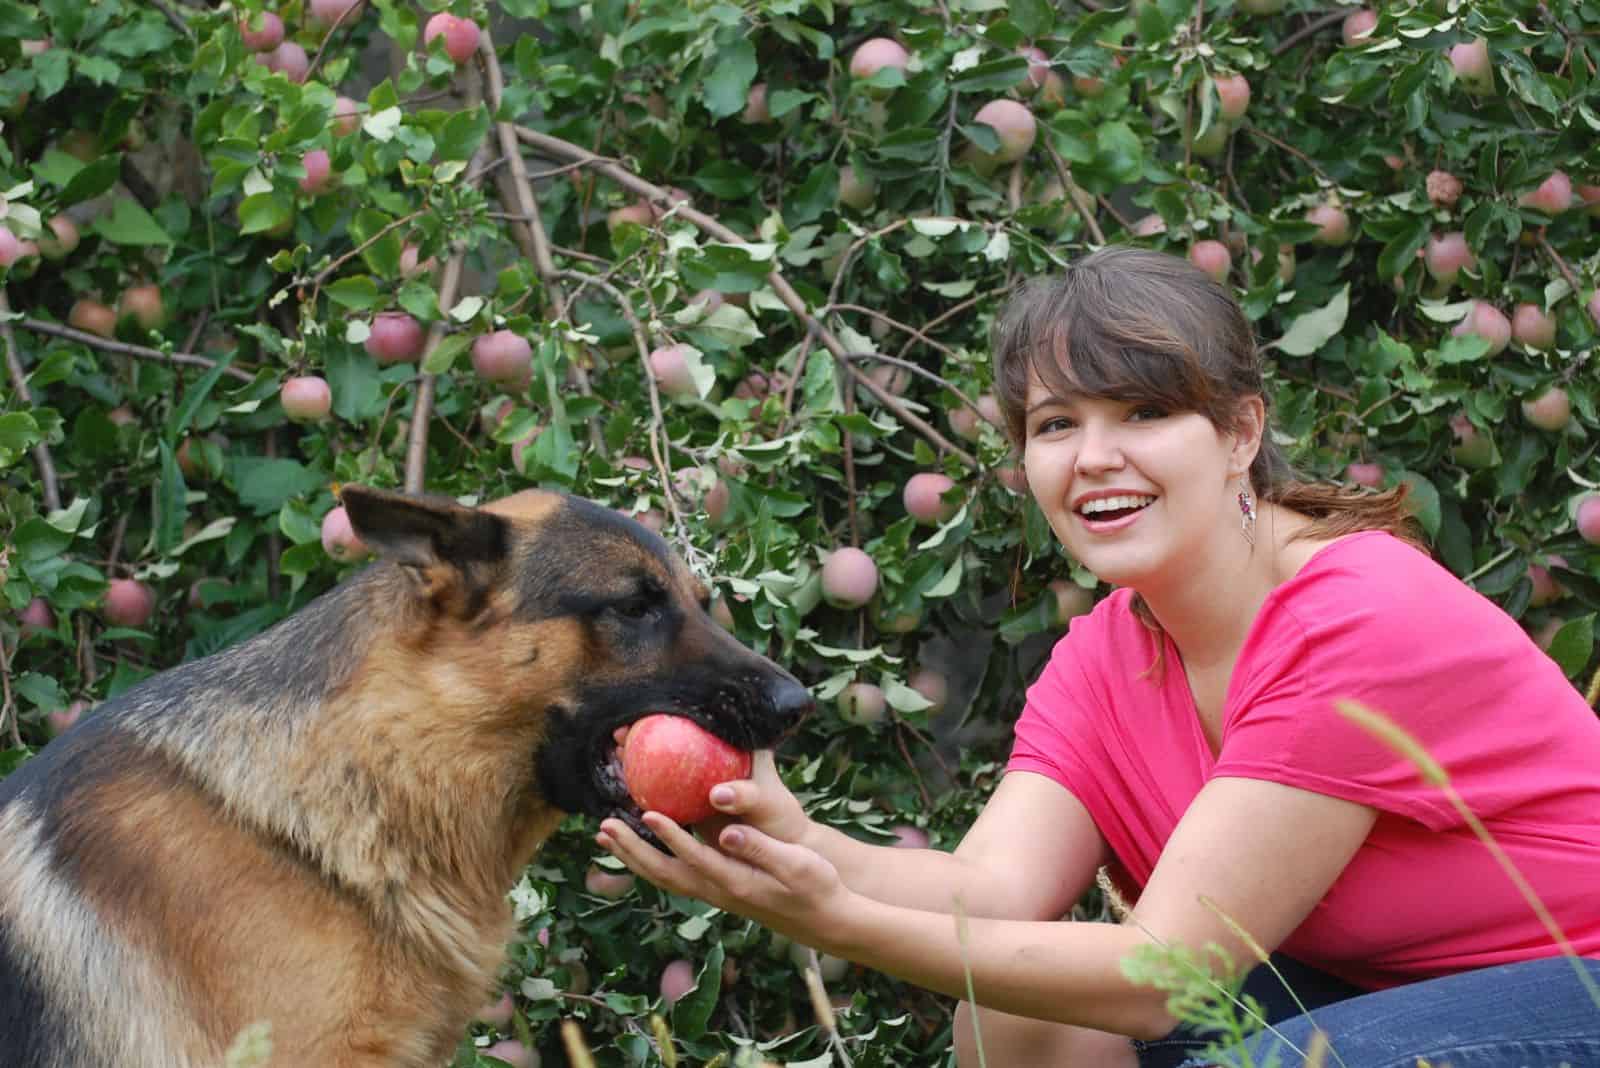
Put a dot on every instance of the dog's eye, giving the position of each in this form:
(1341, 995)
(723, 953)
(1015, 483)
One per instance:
(637, 608)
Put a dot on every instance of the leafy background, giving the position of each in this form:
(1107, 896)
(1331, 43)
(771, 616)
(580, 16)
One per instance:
(833, 350)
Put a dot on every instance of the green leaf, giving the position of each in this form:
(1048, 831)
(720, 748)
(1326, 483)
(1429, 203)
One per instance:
(169, 501)
(444, 354)
(264, 483)
(728, 84)
(691, 1012)
(130, 224)
(89, 182)
(1423, 502)
(461, 133)
(41, 691)
(196, 395)
(1573, 645)
(36, 540)
(996, 74)
(1034, 18)
(358, 291)
(1313, 329)
(354, 382)
(260, 212)
(725, 268)
(18, 431)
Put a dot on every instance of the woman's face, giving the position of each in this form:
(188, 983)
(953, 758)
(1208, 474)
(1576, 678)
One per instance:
(1138, 495)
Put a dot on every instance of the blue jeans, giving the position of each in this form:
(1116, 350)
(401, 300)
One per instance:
(1536, 1014)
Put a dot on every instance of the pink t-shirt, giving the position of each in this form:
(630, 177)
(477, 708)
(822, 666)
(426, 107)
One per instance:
(1372, 619)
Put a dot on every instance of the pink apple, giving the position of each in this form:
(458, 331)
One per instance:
(1014, 124)
(1589, 197)
(1470, 60)
(306, 398)
(1552, 197)
(875, 54)
(512, 1052)
(677, 979)
(498, 1013)
(1546, 590)
(1550, 410)
(12, 248)
(640, 213)
(611, 885)
(1588, 518)
(1444, 188)
(716, 502)
(61, 720)
(36, 616)
(933, 686)
(923, 497)
(1364, 474)
(502, 356)
(339, 538)
(1594, 307)
(395, 337)
(1532, 327)
(1333, 225)
(1148, 226)
(670, 763)
(142, 304)
(92, 317)
(671, 372)
(128, 603)
(755, 106)
(318, 168)
(262, 32)
(1446, 255)
(862, 704)
(849, 578)
(346, 116)
(1213, 258)
(288, 59)
(1033, 79)
(60, 238)
(1489, 323)
(1233, 95)
(1358, 26)
(409, 267)
(460, 35)
(908, 837)
(325, 13)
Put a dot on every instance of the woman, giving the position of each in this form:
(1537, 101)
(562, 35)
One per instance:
(1186, 734)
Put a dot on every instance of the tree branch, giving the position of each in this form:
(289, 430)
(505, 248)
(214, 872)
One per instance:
(19, 381)
(243, 373)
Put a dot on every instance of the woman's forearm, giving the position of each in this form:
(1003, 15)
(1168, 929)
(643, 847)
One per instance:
(1065, 971)
(927, 879)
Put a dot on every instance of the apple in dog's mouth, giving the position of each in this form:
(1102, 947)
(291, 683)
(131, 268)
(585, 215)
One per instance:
(669, 763)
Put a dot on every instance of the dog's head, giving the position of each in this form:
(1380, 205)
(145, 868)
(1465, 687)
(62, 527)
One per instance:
(554, 620)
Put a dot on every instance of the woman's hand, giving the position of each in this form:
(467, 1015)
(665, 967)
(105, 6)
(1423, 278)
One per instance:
(762, 801)
(781, 885)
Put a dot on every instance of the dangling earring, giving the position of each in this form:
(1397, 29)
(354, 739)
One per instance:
(1247, 511)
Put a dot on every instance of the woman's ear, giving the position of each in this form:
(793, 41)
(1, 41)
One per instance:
(1250, 424)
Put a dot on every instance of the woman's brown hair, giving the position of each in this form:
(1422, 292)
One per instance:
(1136, 325)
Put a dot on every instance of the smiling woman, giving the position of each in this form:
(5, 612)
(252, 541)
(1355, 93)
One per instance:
(1186, 734)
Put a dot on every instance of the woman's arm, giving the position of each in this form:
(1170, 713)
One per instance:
(1263, 853)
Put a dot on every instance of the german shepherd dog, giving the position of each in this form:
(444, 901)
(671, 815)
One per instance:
(318, 827)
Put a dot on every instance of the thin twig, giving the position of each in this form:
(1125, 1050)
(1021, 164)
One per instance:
(1332, 18)
(123, 348)
(322, 275)
(1561, 265)
(19, 381)
(174, 18)
(1075, 193)
(422, 404)
(356, 9)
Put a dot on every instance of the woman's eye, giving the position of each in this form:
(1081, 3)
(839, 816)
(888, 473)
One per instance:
(1053, 425)
(1147, 411)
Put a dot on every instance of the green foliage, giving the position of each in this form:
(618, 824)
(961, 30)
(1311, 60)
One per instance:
(181, 158)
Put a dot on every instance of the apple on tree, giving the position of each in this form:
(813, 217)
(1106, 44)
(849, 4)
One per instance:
(1487, 322)
(670, 369)
(878, 53)
(339, 539)
(1587, 517)
(306, 398)
(1532, 327)
(128, 603)
(1470, 61)
(502, 356)
(1212, 257)
(862, 704)
(394, 337)
(677, 980)
(849, 577)
(923, 497)
(1552, 196)
(261, 32)
(611, 885)
(1014, 124)
(1550, 410)
(460, 35)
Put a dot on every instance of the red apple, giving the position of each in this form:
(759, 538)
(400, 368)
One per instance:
(849, 578)
(128, 603)
(671, 372)
(1333, 223)
(142, 304)
(639, 212)
(1593, 307)
(716, 502)
(346, 116)
(677, 979)
(923, 497)
(1589, 197)
(339, 539)
(1546, 590)
(35, 616)
(1588, 518)
(1531, 326)
(1038, 69)
(1233, 95)
(61, 720)
(1358, 26)
(288, 59)
(670, 763)
(1362, 474)
(498, 1013)
(306, 398)
(1446, 254)
(502, 356)
(863, 704)
(460, 35)
(12, 248)
(1213, 258)
(856, 191)
(1552, 197)
(1550, 410)
(1148, 226)
(1014, 477)
(409, 267)
(1014, 124)
(59, 239)
(1444, 188)
(611, 885)
(1470, 60)
(395, 338)
(262, 32)
(1472, 448)
(92, 317)
(318, 168)
(513, 1053)
(755, 106)
(1487, 322)
(875, 54)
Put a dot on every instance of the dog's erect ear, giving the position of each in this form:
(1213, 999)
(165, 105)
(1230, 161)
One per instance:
(451, 551)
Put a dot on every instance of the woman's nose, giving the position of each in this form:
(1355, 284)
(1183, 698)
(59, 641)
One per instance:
(1099, 448)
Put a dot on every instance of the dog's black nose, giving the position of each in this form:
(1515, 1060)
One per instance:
(791, 702)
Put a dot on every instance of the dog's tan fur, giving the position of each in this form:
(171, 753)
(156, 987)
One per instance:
(335, 865)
